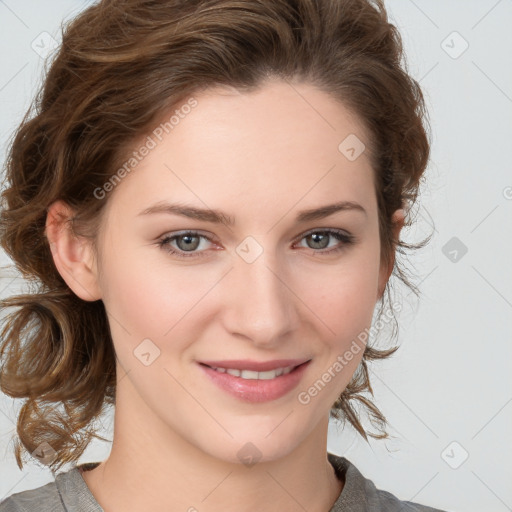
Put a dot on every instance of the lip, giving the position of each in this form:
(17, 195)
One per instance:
(255, 366)
(255, 390)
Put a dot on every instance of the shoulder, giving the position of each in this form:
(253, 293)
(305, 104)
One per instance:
(68, 491)
(43, 499)
(360, 494)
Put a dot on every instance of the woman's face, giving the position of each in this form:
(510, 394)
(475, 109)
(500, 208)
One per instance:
(270, 285)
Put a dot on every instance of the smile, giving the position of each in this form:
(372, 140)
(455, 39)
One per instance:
(252, 375)
(256, 386)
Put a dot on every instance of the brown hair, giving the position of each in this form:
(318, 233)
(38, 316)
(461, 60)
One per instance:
(120, 66)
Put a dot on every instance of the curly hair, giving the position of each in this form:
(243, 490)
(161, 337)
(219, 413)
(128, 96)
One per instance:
(122, 64)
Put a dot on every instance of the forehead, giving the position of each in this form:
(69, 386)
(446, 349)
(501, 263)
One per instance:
(281, 113)
(268, 149)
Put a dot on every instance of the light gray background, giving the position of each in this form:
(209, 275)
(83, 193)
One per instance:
(447, 393)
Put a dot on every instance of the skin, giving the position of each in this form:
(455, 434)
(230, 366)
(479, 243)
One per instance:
(261, 158)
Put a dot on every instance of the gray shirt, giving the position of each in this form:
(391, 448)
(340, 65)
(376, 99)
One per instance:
(69, 493)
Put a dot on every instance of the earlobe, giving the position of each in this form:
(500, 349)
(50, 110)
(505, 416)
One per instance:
(73, 256)
(398, 220)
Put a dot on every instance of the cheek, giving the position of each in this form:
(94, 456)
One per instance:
(146, 299)
(141, 291)
(346, 313)
(343, 296)
(155, 299)
(343, 301)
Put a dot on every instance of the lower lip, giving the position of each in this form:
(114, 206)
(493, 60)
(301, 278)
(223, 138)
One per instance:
(255, 390)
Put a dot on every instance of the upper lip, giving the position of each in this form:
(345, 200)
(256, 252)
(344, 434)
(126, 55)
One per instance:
(257, 366)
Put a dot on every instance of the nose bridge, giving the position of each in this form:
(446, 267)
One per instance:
(261, 304)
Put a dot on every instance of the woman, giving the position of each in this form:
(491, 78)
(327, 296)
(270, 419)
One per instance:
(210, 195)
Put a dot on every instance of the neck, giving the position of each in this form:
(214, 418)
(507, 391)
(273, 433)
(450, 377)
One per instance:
(152, 467)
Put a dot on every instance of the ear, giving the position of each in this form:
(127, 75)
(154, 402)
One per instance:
(73, 256)
(398, 220)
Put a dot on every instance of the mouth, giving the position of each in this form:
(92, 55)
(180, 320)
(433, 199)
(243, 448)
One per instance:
(257, 375)
(254, 386)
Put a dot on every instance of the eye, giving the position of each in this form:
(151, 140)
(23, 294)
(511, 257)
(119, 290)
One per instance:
(188, 242)
(319, 239)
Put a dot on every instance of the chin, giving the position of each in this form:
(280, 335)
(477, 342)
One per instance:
(249, 447)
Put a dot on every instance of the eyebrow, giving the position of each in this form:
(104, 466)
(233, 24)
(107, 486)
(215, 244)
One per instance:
(219, 217)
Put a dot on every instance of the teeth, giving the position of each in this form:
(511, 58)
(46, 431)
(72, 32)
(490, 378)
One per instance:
(249, 374)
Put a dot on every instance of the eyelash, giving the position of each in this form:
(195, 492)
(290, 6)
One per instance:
(343, 237)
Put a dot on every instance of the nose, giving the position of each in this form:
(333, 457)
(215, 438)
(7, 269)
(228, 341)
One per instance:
(261, 304)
